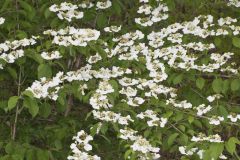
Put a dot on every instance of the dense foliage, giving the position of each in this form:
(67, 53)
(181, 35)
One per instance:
(119, 79)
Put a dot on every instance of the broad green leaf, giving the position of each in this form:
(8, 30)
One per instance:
(44, 70)
(12, 72)
(172, 138)
(45, 109)
(236, 42)
(32, 106)
(231, 145)
(214, 151)
(217, 85)
(235, 84)
(178, 79)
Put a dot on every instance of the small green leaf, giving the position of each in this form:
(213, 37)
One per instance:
(200, 83)
(190, 119)
(101, 20)
(12, 102)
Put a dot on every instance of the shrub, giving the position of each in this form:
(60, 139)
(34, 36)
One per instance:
(137, 79)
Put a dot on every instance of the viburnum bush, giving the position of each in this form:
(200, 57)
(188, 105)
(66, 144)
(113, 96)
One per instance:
(119, 79)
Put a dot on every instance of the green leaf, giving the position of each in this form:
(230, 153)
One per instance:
(102, 20)
(116, 7)
(235, 84)
(45, 109)
(200, 83)
(32, 106)
(44, 70)
(28, 93)
(28, 8)
(226, 85)
(217, 85)
(214, 151)
(9, 148)
(12, 102)
(223, 111)
(236, 42)
(190, 119)
(231, 144)
(127, 154)
(47, 13)
(171, 139)
(30, 154)
(178, 79)
(104, 128)
(42, 155)
(94, 129)
(12, 72)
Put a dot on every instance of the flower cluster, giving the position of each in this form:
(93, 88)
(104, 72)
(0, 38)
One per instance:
(216, 120)
(72, 36)
(81, 146)
(66, 11)
(140, 144)
(110, 116)
(183, 150)
(214, 97)
(202, 137)
(154, 120)
(94, 59)
(51, 55)
(47, 88)
(112, 29)
(86, 4)
(234, 117)
(103, 4)
(235, 3)
(99, 99)
(152, 15)
(12, 50)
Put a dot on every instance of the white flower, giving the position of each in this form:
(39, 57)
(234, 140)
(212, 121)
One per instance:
(94, 59)
(2, 20)
(144, 21)
(103, 4)
(86, 4)
(215, 120)
(144, 1)
(129, 91)
(182, 150)
(163, 122)
(112, 29)
(201, 109)
(66, 11)
(202, 137)
(234, 117)
(51, 55)
(136, 101)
